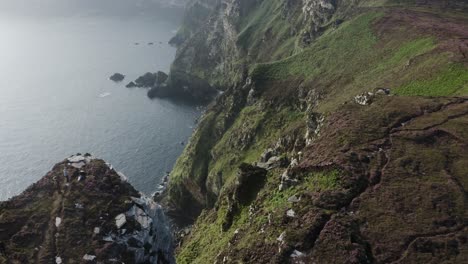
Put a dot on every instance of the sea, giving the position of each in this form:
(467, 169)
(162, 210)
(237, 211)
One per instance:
(56, 98)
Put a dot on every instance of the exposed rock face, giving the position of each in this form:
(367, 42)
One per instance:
(215, 46)
(99, 218)
(250, 180)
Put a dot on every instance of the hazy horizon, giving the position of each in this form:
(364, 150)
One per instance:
(166, 9)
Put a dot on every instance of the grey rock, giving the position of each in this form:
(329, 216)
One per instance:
(294, 199)
(267, 154)
(291, 213)
(117, 77)
(131, 85)
(364, 99)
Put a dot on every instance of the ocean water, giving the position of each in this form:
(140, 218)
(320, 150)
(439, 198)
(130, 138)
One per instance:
(56, 98)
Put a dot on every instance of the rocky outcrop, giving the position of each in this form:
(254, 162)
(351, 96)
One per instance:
(117, 77)
(184, 87)
(83, 211)
(149, 80)
(177, 85)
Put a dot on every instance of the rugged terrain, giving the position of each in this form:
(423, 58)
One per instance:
(98, 218)
(340, 135)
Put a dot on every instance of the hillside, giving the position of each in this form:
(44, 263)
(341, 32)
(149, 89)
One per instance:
(340, 136)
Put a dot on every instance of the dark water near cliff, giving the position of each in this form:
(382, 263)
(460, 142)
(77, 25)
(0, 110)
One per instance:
(53, 86)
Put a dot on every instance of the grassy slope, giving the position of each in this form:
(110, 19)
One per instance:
(341, 64)
(353, 59)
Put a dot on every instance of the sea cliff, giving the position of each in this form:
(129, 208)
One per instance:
(338, 138)
(336, 133)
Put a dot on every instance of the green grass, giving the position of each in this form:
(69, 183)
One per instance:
(208, 239)
(331, 52)
(194, 160)
(321, 181)
(265, 128)
(409, 50)
(453, 80)
(351, 60)
(254, 25)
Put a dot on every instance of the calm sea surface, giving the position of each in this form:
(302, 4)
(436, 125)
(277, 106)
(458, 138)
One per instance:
(56, 99)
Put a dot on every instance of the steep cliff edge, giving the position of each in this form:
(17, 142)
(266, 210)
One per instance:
(339, 137)
(95, 217)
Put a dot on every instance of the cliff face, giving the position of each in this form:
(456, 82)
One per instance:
(96, 218)
(339, 137)
(219, 39)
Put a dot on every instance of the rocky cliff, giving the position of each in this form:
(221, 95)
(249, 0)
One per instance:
(93, 217)
(339, 138)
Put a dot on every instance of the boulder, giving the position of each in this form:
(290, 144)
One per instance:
(364, 98)
(120, 220)
(117, 77)
(291, 213)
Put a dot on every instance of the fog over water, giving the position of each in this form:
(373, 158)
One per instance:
(38, 8)
(56, 98)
